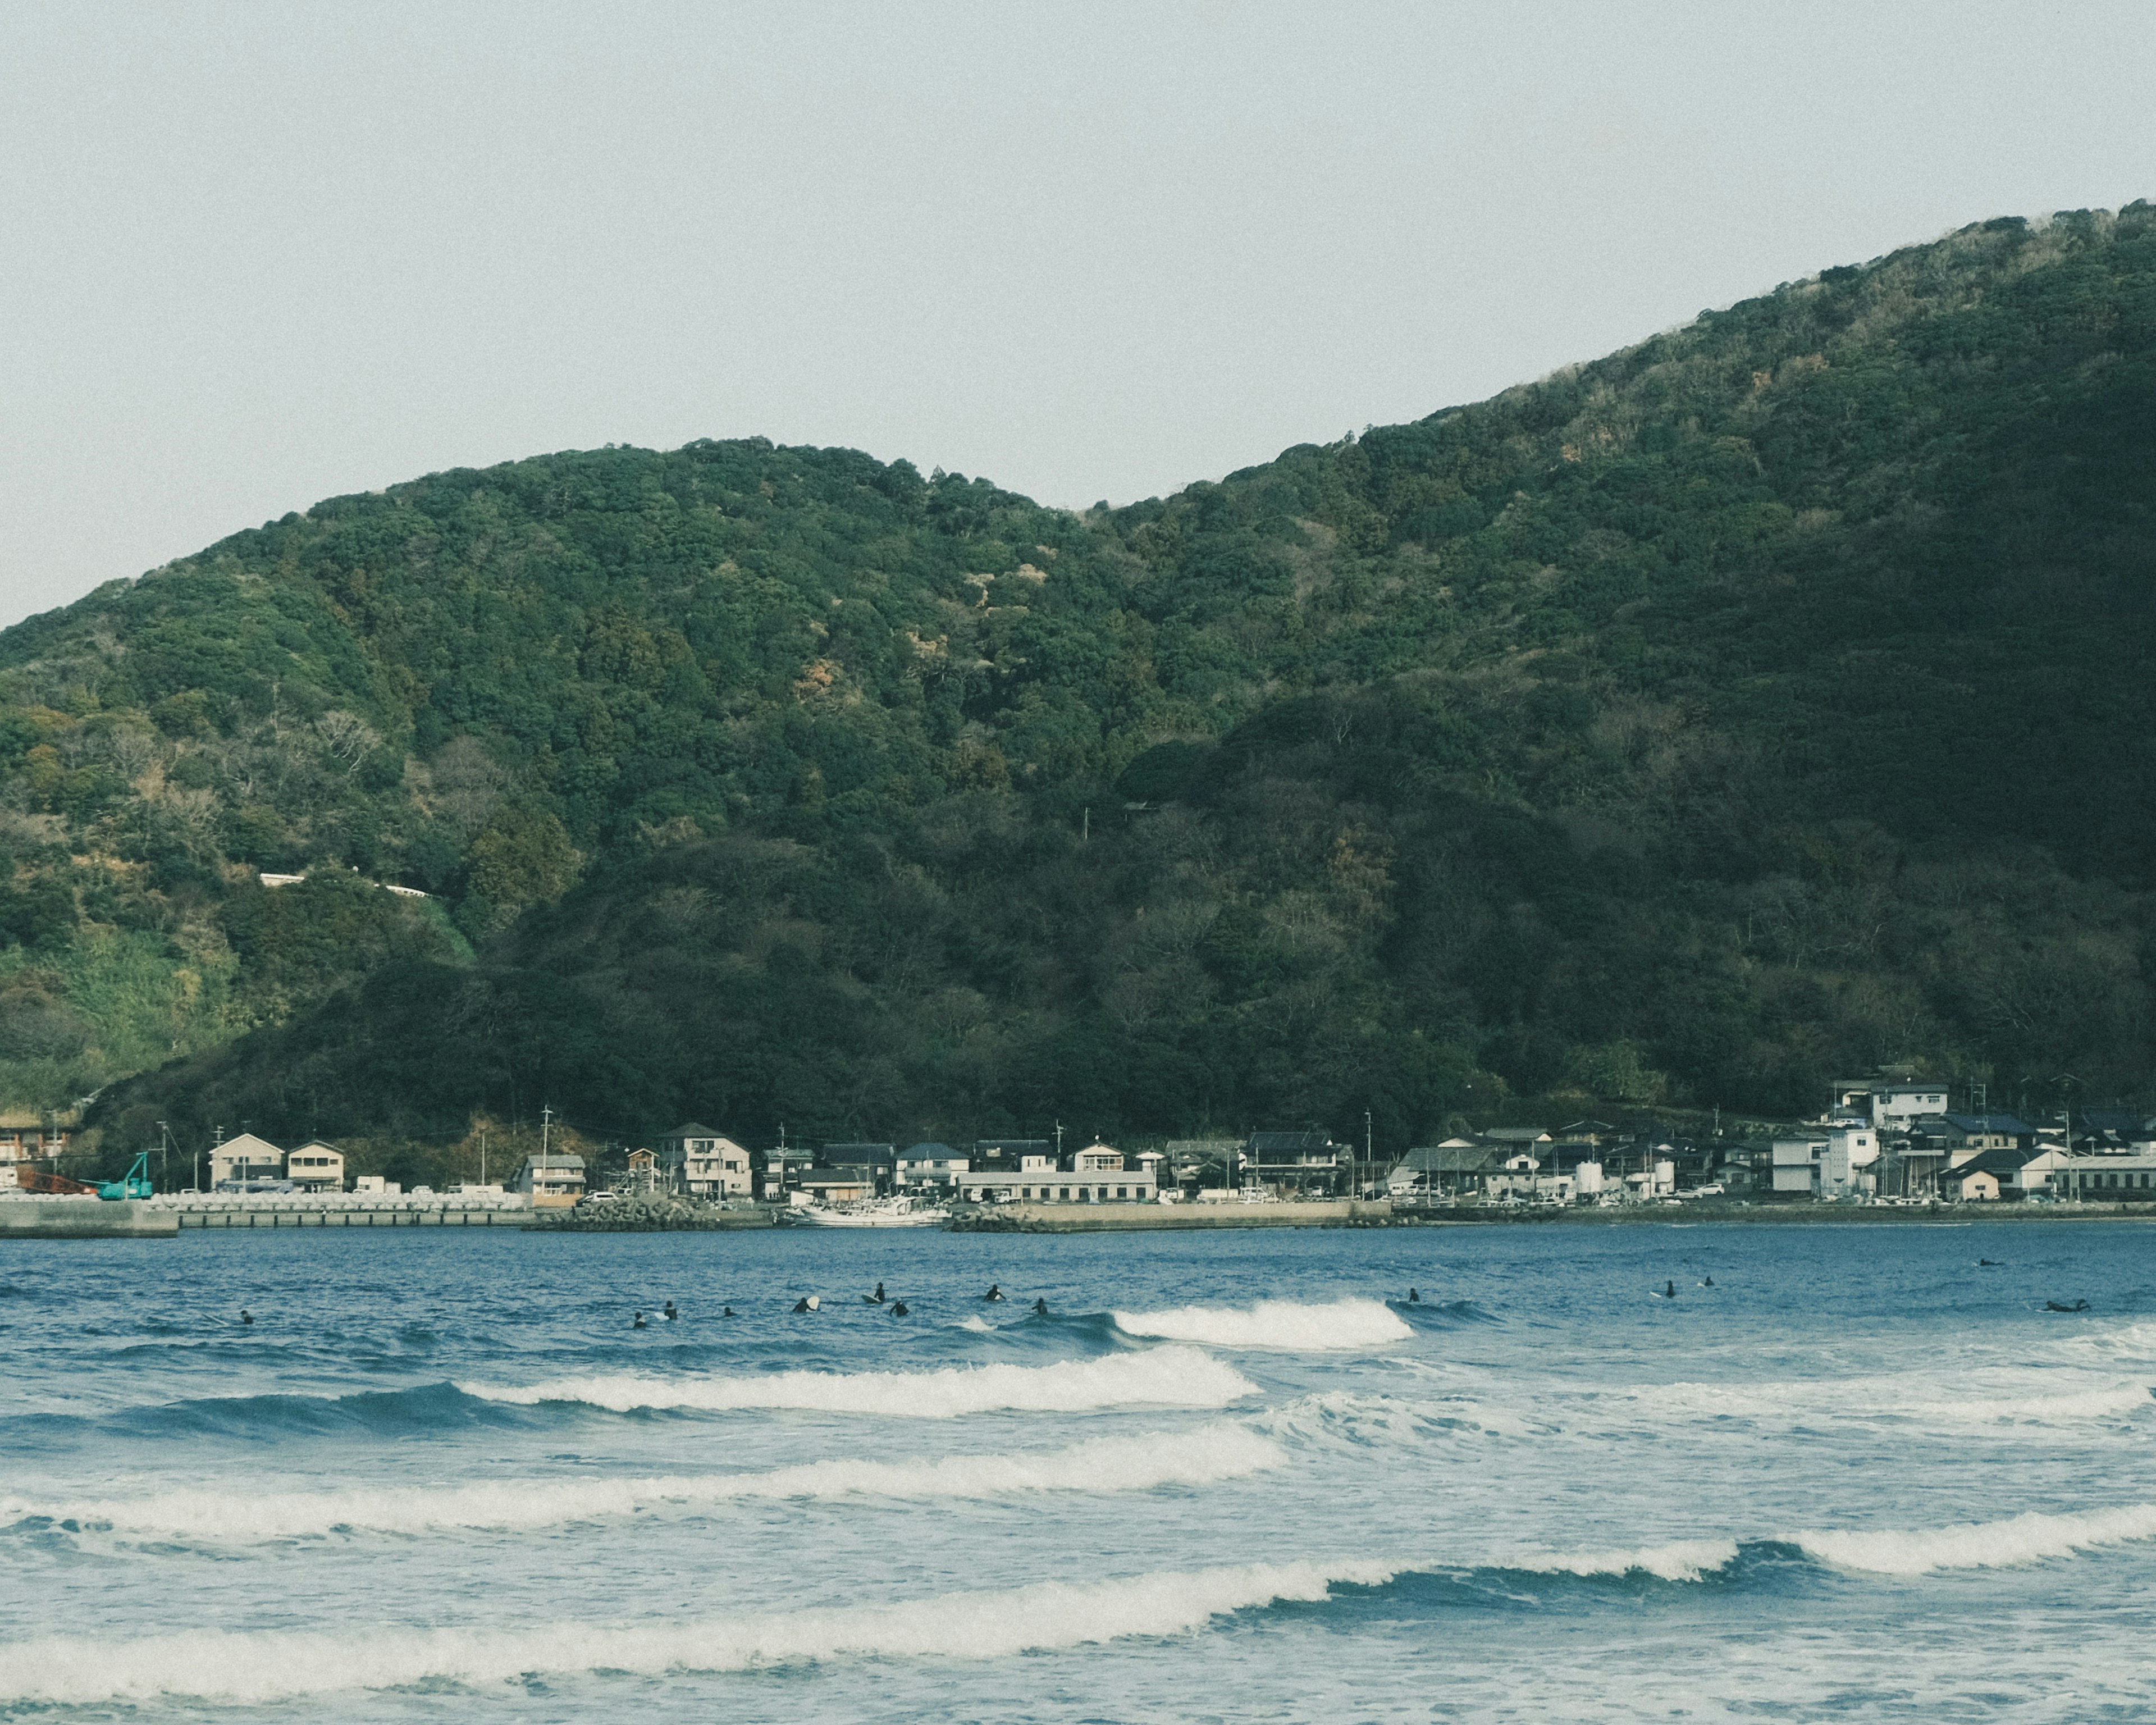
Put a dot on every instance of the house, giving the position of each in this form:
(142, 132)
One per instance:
(27, 1137)
(1887, 1103)
(239, 1161)
(1521, 1181)
(696, 1159)
(1299, 1162)
(2106, 1179)
(879, 1162)
(718, 1170)
(1197, 1162)
(783, 1169)
(1997, 1172)
(1097, 1159)
(1835, 1162)
(315, 1166)
(834, 1185)
(643, 1170)
(1451, 1170)
(1971, 1182)
(931, 1165)
(2112, 1129)
(553, 1180)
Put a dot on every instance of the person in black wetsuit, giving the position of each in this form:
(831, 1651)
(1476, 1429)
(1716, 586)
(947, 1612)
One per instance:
(877, 1298)
(1040, 1308)
(638, 1323)
(245, 1316)
(728, 1312)
(803, 1305)
(898, 1309)
(670, 1313)
(1670, 1290)
(1414, 1296)
(994, 1292)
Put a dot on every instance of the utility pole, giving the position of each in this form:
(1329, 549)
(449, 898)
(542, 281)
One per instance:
(482, 1156)
(1369, 1158)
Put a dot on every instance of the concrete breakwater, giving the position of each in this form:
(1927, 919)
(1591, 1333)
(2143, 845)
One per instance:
(84, 1218)
(1132, 1218)
(356, 1216)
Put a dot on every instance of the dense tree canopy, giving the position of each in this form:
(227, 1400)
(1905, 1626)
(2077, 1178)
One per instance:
(1762, 700)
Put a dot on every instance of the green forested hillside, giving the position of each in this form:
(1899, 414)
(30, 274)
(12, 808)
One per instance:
(1762, 700)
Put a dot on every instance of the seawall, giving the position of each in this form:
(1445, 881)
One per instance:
(1133, 1218)
(84, 1218)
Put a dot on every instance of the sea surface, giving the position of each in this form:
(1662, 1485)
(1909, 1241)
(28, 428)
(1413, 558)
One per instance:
(1226, 1476)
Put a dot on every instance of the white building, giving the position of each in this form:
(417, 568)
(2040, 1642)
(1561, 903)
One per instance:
(554, 1180)
(930, 1165)
(1050, 1185)
(315, 1166)
(246, 1158)
(695, 1158)
(1889, 1106)
(2106, 1179)
(1834, 1162)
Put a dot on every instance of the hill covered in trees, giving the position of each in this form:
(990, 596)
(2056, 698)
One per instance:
(1763, 700)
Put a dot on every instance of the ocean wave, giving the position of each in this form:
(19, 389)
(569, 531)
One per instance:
(2030, 1538)
(1201, 1457)
(1272, 1324)
(1681, 1560)
(1161, 1377)
(245, 1667)
(1879, 1397)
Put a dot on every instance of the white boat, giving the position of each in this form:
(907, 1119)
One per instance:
(881, 1212)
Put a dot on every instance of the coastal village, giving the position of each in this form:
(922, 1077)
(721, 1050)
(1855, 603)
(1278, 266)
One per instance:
(1880, 1140)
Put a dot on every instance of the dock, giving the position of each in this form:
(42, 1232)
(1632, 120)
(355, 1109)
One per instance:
(1135, 1218)
(85, 1218)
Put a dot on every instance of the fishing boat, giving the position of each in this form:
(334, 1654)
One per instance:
(878, 1213)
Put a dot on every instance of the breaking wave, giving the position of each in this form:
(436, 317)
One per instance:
(1681, 1560)
(1273, 1323)
(2030, 1538)
(1160, 1377)
(266, 1667)
(1201, 1457)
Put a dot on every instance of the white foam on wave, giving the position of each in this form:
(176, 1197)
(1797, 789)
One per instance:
(256, 1668)
(1160, 1377)
(1273, 1323)
(1204, 1456)
(2030, 1538)
(1681, 1560)
(1970, 1401)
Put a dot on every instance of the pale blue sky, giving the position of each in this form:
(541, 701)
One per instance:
(255, 255)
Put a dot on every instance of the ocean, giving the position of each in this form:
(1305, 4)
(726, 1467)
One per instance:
(1846, 1472)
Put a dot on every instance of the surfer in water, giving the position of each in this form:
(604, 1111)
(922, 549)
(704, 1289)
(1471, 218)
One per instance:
(877, 1298)
(1669, 1291)
(245, 1316)
(638, 1324)
(669, 1314)
(2054, 1305)
(1041, 1308)
(1414, 1296)
(807, 1303)
(1708, 1283)
(898, 1308)
(728, 1312)
(994, 1292)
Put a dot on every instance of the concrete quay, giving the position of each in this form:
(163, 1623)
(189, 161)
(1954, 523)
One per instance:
(1137, 1218)
(84, 1218)
(389, 1213)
